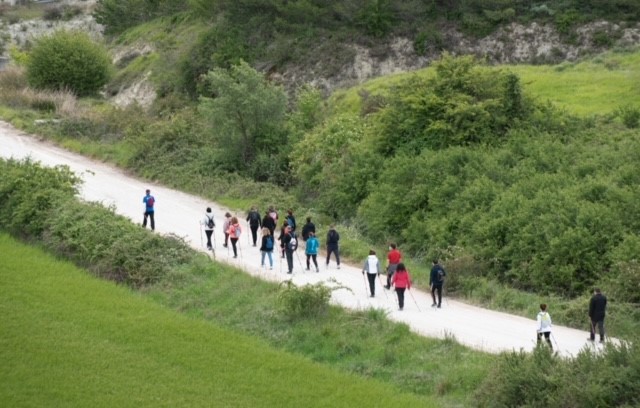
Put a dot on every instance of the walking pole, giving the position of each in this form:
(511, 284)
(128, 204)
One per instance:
(414, 300)
(554, 340)
(383, 289)
(366, 290)
(299, 261)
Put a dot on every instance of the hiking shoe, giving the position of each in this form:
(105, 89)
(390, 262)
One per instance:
(271, 268)
(434, 305)
(306, 269)
(438, 306)
(318, 270)
(209, 248)
(235, 256)
(387, 286)
(338, 266)
(590, 339)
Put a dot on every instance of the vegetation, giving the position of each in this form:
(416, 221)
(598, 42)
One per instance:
(82, 342)
(67, 60)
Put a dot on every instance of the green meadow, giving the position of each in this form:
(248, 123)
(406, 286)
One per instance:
(69, 339)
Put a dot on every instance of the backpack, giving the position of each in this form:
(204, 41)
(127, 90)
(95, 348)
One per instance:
(441, 275)
(293, 244)
(210, 223)
(269, 243)
(150, 201)
(237, 231)
(254, 218)
(333, 237)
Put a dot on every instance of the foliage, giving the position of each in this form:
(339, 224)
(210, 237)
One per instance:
(118, 15)
(630, 116)
(68, 60)
(247, 121)
(304, 302)
(595, 379)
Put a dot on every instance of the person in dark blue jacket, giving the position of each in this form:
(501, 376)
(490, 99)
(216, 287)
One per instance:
(597, 308)
(149, 202)
(436, 281)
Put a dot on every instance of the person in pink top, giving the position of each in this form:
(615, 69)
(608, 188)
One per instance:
(401, 281)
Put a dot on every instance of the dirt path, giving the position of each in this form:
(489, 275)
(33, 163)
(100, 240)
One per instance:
(179, 213)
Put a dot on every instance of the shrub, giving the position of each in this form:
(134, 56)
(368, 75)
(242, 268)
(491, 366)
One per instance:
(304, 302)
(68, 60)
(630, 116)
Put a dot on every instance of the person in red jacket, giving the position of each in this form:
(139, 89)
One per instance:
(393, 259)
(401, 281)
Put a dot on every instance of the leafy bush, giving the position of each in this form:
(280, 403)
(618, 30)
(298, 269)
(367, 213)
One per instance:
(630, 116)
(304, 302)
(118, 15)
(68, 60)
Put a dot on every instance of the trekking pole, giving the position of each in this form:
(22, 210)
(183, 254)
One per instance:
(554, 340)
(383, 289)
(299, 261)
(366, 290)
(414, 300)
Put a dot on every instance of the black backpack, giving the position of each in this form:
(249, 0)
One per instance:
(441, 275)
(210, 223)
(293, 243)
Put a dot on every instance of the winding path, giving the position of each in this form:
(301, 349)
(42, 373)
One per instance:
(179, 213)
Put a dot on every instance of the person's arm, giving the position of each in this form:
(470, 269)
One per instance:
(539, 320)
(365, 268)
(591, 307)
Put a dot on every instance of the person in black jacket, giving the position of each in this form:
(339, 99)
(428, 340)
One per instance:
(269, 222)
(597, 308)
(253, 218)
(332, 245)
(308, 228)
(436, 280)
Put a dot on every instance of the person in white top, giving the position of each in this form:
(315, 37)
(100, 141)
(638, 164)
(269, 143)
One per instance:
(372, 268)
(544, 325)
(208, 224)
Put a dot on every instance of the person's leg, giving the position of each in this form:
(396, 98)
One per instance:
(209, 233)
(400, 292)
(226, 239)
(289, 255)
(433, 295)
(264, 253)
(254, 234)
(329, 250)
(153, 221)
(372, 283)
(439, 289)
(547, 337)
(269, 254)
(539, 337)
(234, 241)
(308, 259)
(315, 261)
(592, 330)
(144, 219)
(337, 252)
(600, 329)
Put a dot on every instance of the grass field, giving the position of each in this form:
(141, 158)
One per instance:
(68, 339)
(595, 86)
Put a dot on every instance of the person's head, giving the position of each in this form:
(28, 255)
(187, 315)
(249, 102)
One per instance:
(227, 214)
(596, 291)
(266, 231)
(401, 267)
(435, 261)
(271, 208)
(285, 224)
(148, 191)
(290, 211)
(312, 234)
(308, 219)
(287, 229)
(372, 252)
(253, 208)
(332, 227)
(234, 220)
(208, 209)
(543, 307)
(392, 246)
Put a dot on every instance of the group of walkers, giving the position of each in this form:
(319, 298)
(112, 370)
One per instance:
(396, 271)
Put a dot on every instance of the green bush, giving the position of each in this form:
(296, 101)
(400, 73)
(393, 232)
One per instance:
(304, 302)
(630, 116)
(68, 60)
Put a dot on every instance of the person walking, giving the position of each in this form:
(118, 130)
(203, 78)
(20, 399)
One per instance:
(208, 224)
(394, 257)
(308, 228)
(273, 214)
(253, 218)
(401, 281)
(372, 268)
(311, 250)
(291, 220)
(544, 325)
(149, 202)
(266, 249)
(225, 229)
(281, 238)
(233, 233)
(270, 223)
(436, 281)
(332, 245)
(597, 310)
(290, 244)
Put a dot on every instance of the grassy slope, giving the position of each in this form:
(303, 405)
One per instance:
(69, 339)
(597, 85)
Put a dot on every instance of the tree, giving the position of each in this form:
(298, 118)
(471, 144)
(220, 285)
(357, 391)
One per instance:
(247, 117)
(69, 60)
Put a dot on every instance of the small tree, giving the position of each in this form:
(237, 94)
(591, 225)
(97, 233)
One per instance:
(68, 60)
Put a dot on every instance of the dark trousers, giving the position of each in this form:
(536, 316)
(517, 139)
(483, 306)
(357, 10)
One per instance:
(336, 251)
(372, 283)
(234, 242)
(254, 233)
(315, 260)
(153, 222)
(391, 269)
(400, 293)
(289, 255)
(209, 233)
(437, 288)
(600, 325)
(546, 337)
(226, 239)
